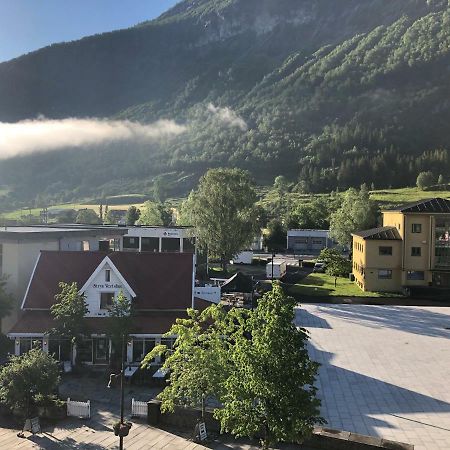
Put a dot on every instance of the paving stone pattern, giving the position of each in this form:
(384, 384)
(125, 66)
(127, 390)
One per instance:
(385, 370)
(96, 433)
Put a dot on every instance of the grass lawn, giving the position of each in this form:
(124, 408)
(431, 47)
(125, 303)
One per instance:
(322, 285)
(405, 195)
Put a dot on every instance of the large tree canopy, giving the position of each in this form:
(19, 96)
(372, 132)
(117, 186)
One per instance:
(223, 212)
(254, 363)
(356, 213)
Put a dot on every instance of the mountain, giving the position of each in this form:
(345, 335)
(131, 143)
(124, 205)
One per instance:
(331, 94)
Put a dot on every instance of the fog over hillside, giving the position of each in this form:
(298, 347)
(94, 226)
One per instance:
(328, 93)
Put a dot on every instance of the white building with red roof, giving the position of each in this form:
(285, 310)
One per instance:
(160, 286)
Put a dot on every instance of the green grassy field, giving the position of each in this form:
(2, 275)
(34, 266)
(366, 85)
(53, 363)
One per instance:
(405, 195)
(386, 198)
(322, 285)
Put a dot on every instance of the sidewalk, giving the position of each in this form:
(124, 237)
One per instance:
(73, 434)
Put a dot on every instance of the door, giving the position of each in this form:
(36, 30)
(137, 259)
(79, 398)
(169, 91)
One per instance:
(60, 349)
(101, 351)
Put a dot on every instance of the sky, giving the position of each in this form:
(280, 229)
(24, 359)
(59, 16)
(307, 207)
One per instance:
(26, 25)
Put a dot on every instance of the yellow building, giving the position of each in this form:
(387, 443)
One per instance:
(411, 249)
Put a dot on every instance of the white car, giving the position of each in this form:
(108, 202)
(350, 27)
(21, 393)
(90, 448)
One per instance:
(320, 267)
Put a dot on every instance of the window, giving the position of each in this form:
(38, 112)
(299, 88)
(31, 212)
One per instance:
(415, 275)
(130, 242)
(416, 251)
(85, 350)
(150, 244)
(141, 347)
(317, 241)
(170, 244)
(384, 274)
(416, 228)
(107, 275)
(85, 246)
(26, 344)
(385, 250)
(189, 245)
(106, 300)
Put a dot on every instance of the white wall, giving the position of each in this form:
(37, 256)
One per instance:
(99, 285)
(19, 259)
(208, 293)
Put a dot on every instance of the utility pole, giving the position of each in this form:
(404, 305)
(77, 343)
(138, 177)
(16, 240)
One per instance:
(122, 391)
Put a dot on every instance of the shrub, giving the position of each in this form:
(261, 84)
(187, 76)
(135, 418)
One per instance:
(29, 380)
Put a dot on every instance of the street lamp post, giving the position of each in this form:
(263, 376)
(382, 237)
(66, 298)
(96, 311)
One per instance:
(121, 375)
(121, 391)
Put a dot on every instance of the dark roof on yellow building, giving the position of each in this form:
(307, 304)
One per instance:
(380, 234)
(432, 205)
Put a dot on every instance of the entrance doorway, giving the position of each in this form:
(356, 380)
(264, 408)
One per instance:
(60, 349)
(101, 350)
(441, 279)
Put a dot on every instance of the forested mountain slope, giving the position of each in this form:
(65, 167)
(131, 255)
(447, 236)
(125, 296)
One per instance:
(328, 93)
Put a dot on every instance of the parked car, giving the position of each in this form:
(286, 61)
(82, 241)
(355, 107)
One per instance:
(320, 267)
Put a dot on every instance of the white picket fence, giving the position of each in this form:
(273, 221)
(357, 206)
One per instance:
(79, 409)
(138, 409)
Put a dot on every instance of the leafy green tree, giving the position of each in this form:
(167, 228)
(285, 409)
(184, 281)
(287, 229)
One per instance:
(109, 217)
(160, 189)
(281, 185)
(150, 214)
(28, 379)
(68, 216)
(314, 214)
(69, 314)
(425, 179)
(88, 216)
(132, 215)
(356, 213)
(336, 264)
(275, 240)
(223, 212)
(255, 363)
(198, 362)
(270, 390)
(120, 322)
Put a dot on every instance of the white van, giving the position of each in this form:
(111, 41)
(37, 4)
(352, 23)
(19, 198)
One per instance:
(279, 269)
(244, 257)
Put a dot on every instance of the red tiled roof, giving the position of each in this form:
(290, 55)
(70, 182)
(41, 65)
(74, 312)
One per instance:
(147, 322)
(160, 280)
(54, 267)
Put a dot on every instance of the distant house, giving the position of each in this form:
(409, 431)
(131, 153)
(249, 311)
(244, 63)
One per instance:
(309, 241)
(410, 250)
(160, 285)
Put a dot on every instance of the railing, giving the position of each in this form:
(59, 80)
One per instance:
(79, 409)
(138, 409)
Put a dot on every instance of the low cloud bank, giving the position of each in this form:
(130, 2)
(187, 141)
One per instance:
(228, 117)
(40, 135)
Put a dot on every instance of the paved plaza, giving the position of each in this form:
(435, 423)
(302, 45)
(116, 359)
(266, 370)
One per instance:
(96, 433)
(385, 370)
